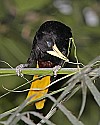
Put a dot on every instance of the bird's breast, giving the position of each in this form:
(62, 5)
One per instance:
(45, 64)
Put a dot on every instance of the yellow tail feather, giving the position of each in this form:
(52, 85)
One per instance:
(40, 83)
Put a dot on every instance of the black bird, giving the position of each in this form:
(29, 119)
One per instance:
(51, 48)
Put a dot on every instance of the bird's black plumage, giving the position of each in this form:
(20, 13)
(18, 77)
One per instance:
(50, 33)
(51, 47)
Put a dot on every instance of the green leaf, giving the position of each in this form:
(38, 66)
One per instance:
(84, 93)
(93, 89)
(67, 113)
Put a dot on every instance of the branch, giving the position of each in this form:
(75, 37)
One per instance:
(39, 71)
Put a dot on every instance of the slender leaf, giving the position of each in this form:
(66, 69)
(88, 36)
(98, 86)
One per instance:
(27, 120)
(7, 113)
(49, 115)
(53, 110)
(67, 113)
(84, 92)
(93, 89)
(71, 94)
(42, 117)
(20, 108)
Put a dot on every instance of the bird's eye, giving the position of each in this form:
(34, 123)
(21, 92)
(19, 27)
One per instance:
(49, 44)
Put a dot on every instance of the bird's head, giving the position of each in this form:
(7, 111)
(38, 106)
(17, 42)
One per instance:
(53, 38)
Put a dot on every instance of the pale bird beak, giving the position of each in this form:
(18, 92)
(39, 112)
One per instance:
(55, 52)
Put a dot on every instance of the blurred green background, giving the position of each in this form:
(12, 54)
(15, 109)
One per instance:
(20, 19)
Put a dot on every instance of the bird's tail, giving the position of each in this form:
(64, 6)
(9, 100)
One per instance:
(39, 84)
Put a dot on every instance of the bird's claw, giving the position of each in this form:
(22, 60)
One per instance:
(19, 70)
(56, 69)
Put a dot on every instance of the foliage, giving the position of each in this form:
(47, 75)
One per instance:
(86, 77)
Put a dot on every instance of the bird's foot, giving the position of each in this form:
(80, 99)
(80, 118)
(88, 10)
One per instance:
(56, 69)
(19, 69)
